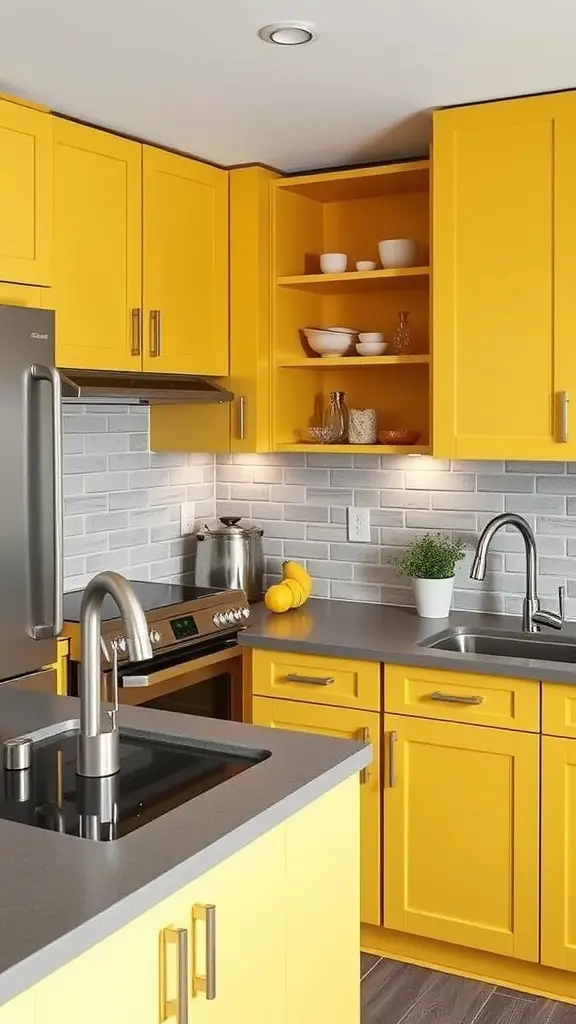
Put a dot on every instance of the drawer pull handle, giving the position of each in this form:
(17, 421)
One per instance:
(176, 1008)
(392, 759)
(294, 677)
(206, 983)
(456, 698)
(364, 737)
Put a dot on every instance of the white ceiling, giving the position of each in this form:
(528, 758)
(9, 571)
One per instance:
(193, 75)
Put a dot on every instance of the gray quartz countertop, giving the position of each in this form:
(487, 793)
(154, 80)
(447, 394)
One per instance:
(374, 632)
(59, 894)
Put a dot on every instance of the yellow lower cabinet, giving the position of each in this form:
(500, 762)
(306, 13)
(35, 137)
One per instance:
(461, 834)
(349, 724)
(558, 853)
(19, 1010)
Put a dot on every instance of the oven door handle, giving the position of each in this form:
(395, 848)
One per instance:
(134, 680)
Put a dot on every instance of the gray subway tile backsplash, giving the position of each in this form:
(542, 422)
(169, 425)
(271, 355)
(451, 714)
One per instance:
(123, 510)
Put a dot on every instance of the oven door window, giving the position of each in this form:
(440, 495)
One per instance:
(210, 698)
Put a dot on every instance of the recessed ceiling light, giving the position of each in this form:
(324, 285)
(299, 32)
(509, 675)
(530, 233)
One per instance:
(288, 33)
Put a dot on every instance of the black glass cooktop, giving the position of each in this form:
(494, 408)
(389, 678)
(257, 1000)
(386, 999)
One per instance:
(154, 777)
(150, 595)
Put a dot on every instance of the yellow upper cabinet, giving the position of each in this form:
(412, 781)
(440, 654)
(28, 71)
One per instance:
(504, 221)
(461, 834)
(97, 290)
(26, 151)
(185, 212)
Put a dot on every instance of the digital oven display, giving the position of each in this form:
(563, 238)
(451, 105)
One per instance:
(184, 627)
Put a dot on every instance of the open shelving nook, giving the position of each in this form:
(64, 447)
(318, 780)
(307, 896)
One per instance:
(349, 211)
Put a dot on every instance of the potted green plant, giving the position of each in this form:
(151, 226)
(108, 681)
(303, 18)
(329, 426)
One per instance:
(430, 561)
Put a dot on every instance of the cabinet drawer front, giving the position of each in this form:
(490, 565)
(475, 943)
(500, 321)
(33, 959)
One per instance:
(338, 682)
(463, 697)
(559, 709)
(350, 725)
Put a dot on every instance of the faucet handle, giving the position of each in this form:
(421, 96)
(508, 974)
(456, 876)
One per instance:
(561, 596)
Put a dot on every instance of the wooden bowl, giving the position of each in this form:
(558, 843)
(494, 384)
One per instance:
(398, 436)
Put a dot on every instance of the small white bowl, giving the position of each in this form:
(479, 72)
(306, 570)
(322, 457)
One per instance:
(372, 348)
(328, 343)
(396, 253)
(365, 265)
(371, 336)
(333, 262)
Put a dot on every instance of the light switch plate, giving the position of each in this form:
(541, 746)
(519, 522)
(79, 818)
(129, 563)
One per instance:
(187, 517)
(359, 525)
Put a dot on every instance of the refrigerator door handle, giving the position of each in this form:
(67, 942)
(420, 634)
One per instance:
(49, 374)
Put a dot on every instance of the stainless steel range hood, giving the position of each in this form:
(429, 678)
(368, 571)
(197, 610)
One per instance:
(110, 386)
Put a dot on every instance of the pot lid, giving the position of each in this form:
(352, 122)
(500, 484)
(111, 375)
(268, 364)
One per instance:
(228, 526)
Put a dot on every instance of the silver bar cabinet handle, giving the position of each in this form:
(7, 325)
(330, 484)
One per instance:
(392, 759)
(155, 337)
(206, 983)
(561, 595)
(177, 1008)
(48, 373)
(295, 677)
(564, 425)
(364, 737)
(241, 417)
(456, 698)
(136, 346)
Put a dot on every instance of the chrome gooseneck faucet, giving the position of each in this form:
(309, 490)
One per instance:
(98, 744)
(532, 615)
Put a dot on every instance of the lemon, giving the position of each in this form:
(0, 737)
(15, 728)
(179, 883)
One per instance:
(297, 590)
(297, 572)
(278, 598)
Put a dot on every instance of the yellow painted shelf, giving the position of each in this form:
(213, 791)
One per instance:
(353, 362)
(357, 449)
(357, 280)
(360, 183)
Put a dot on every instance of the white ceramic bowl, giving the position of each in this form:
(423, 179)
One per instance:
(372, 348)
(398, 252)
(365, 265)
(333, 262)
(328, 343)
(371, 336)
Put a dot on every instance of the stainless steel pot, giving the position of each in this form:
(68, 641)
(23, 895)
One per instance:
(229, 555)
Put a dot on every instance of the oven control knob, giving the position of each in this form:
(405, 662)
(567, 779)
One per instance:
(120, 643)
(155, 636)
(229, 616)
(218, 619)
(237, 613)
(245, 613)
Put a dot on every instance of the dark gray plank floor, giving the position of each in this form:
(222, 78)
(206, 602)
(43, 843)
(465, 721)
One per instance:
(396, 993)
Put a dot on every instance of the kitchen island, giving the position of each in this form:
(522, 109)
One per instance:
(108, 923)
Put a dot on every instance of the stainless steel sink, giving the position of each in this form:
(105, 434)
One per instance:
(496, 644)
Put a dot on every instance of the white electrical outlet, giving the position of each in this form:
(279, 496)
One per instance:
(359, 525)
(187, 517)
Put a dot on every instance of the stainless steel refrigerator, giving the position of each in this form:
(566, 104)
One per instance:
(30, 498)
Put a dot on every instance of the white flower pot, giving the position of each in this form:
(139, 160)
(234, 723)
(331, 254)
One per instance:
(433, 597)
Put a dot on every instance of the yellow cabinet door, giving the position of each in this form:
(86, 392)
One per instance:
(346, 724)
(19, 1010)
(185, 211)
(26, 154)
(24, 295)
(461, 834)
(97, 290)
(504, 213)
(558, 853)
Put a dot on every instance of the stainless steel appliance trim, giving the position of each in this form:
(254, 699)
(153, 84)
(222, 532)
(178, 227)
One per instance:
(154, 333)
(136, 327)
(177, 1008)
(17, 753)
(206, 983)
(295, 677)
(187, 664)
(456, 698)
(49, 374)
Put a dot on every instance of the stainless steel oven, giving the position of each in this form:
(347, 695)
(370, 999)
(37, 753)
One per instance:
(196, 668)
